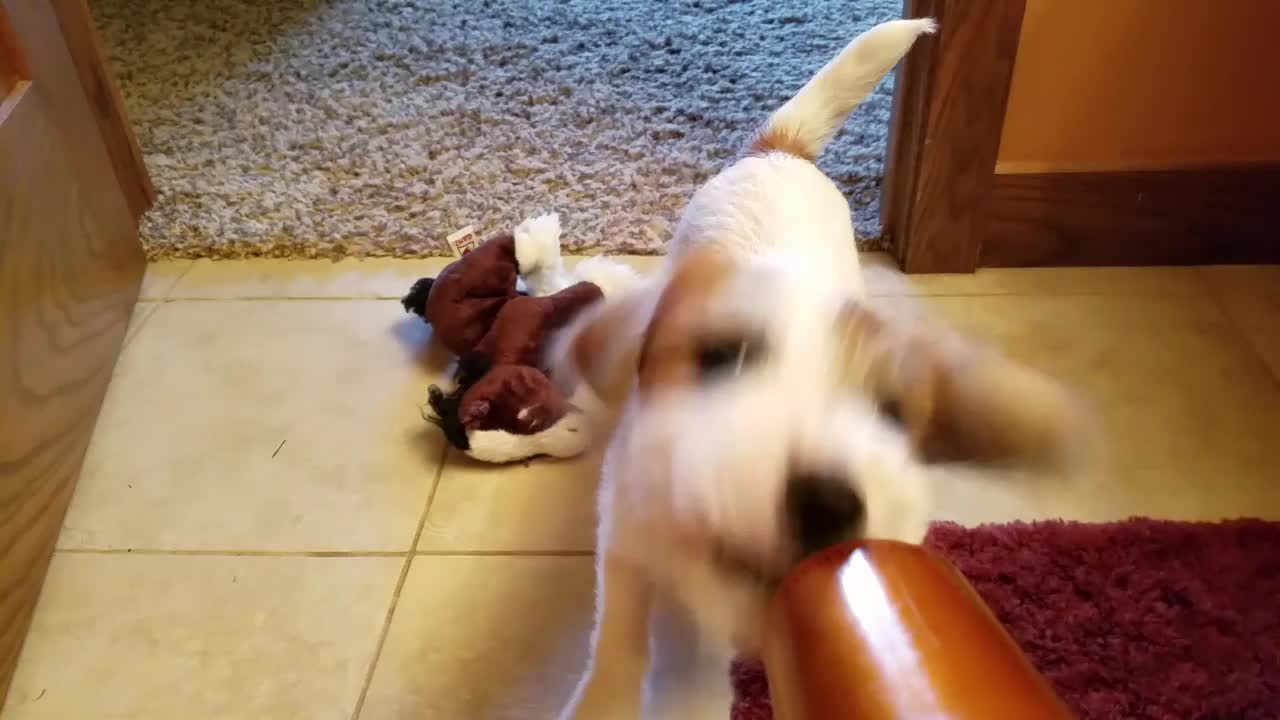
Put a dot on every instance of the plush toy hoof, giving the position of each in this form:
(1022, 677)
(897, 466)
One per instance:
(415, 301)
(570, 436)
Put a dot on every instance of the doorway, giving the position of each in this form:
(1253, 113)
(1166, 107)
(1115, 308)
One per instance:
(1051, 132)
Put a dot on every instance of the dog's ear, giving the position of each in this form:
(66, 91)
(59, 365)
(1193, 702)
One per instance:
(601, 346)
(961, 402)
(643, 335)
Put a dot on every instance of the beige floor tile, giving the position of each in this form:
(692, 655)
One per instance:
(1251, 296)
(1245, 279)
(499, 638)
(287, 425)
(546, 506)
(350, 278)
(278, 278)
(1191, 415)
(152, 637)
(161, 276)
(391, 277)
(884, 278)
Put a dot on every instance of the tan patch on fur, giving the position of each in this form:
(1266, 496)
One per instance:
(668, 353)
(605, 343)
(959, 403)
(893, 367)
(783, 140)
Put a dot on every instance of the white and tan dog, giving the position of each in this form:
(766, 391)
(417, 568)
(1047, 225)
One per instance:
(763, 409)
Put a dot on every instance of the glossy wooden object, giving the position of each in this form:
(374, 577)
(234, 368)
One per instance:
(883, 630)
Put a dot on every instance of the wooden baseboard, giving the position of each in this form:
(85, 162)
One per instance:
(1174, 217)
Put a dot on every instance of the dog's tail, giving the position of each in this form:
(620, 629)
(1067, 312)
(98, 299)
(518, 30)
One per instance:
(807, 122)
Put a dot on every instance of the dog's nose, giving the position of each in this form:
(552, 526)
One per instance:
(822, 510)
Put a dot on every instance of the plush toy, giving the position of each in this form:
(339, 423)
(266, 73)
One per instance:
(503, 406)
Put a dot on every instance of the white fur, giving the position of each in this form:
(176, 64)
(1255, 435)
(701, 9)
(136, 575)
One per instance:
(538, 255)
(694, 469)
(613, 277)
(822, 105)
(568, 437)
(541, 268)
(693, 524)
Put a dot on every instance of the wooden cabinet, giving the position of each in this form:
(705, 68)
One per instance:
(72, 187)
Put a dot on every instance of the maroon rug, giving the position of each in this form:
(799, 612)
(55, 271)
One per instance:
(1137, 619)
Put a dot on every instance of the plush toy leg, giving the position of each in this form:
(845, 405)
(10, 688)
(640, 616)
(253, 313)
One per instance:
(568, 437)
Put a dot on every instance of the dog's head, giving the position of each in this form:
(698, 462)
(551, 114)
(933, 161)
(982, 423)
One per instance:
(768, 415)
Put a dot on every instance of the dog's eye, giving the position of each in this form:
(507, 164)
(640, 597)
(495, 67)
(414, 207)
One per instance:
(715, 357)
(891, 409)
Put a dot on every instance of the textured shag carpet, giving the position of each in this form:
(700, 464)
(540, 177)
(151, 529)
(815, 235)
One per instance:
(1138, 619)
(376, 127)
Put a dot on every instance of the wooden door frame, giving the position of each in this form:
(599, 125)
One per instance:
(945, 209)
(90, 58)
(949, 92)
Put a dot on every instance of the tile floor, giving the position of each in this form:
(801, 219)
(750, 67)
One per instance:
(266, 529)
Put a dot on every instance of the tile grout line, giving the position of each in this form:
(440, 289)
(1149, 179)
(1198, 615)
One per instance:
(1220, 303)
(282, 298)
(152, 552)
(168, 295)
(137, 329)
(505, 553)
(232, 553)
(155, 302)
(168, 292)
(870, 294)
(395, 594)
(1055, 294)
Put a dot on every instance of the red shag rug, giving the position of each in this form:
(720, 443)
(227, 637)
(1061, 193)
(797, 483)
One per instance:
(1137, 619)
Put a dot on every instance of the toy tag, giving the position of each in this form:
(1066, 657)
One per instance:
(463, 241)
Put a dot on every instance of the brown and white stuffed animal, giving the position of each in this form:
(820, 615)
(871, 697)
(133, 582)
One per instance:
(503, 406)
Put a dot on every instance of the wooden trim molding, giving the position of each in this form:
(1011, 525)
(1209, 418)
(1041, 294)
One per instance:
(906, 132)
(89, 57)
(1166, 217)
(948, 114)
(13, 64)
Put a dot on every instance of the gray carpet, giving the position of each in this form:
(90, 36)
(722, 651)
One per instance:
(327, 128)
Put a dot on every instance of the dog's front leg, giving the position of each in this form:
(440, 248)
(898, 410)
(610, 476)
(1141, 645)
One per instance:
(612, 686)
(688, 670)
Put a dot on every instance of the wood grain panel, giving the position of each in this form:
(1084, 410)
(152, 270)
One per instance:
(85, 48)
(906, 131)
(967, 87)
(56, 81)
(1225, 215)
(70, 269)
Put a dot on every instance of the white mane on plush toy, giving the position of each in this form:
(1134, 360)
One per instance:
(542, 269)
